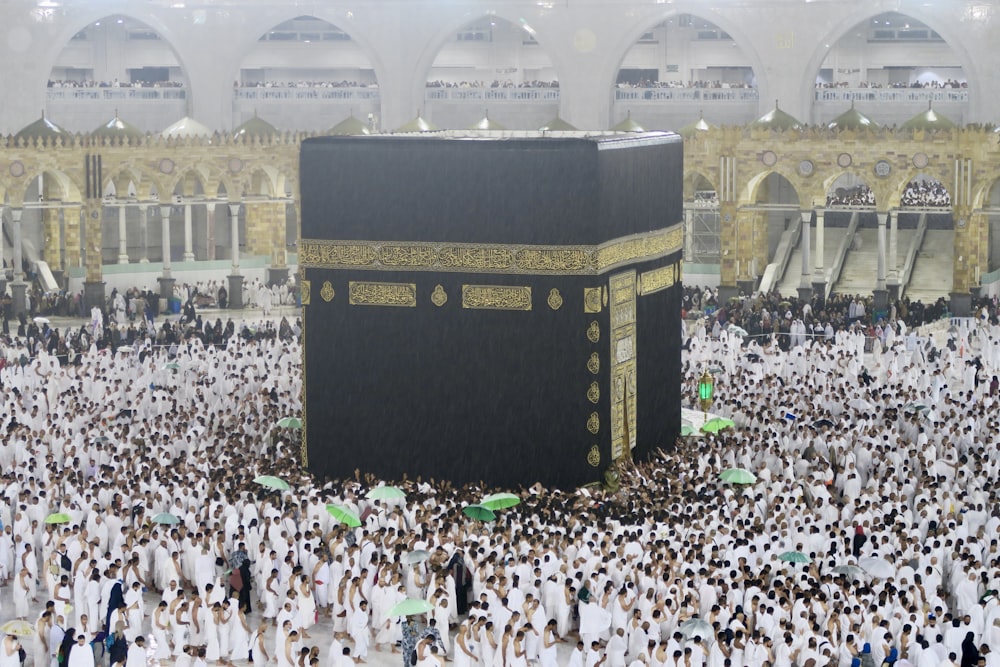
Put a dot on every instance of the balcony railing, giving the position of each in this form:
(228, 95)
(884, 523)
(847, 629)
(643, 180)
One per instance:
(306, 94)
(115, 94)
(686, 95)
(945, 95)
(493, 94)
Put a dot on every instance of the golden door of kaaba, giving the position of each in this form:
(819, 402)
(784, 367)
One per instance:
(496, 310)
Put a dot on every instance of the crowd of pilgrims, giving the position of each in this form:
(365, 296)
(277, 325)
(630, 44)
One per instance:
(135, 303)
(919, 193)
(675, 569)
(773, 313)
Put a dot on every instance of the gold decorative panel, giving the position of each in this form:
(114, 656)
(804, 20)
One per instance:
(591, 299)
(594, 332)
(382, 294)
(653, 281)
(439, 297)
(305, 289)
(496, 297)
(622, 287)
(327, 291)
(489, 258)
(555, 299)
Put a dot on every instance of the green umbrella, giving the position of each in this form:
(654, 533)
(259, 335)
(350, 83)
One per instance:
(172, 366)
(479, 513)
(272, 482)
(738, 476)
(716, 424)
(165, 518)
(687, 430)
(344, 515)
(411, 607)
(386, 493)
(794, 557)
(290, 422)
(499, 501)
(58, 517)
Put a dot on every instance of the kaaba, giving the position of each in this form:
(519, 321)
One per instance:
(496, 310)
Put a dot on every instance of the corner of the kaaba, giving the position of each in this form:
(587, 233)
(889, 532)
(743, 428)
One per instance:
(447, 339)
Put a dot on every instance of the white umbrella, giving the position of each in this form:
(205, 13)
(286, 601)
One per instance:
(860, 404)
(414, 557)
(41, 320)
(696, 627)
(879, 568)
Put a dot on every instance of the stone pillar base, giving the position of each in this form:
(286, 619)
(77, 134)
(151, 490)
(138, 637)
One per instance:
(880, 302)
(748, 287)
(93, 295)
(166, 287)
(725, 293)
(961, 304)
(819, 289)
(277, 275)
(18, 296)
(893, 289)
(235, 290)
(806, 293)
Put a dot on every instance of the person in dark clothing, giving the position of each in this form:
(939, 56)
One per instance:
(117, 646)
(859, 541)
(970, 653)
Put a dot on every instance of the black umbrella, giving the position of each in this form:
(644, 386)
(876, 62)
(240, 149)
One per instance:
(820, 423)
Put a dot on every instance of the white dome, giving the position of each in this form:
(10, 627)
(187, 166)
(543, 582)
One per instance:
(186, 127)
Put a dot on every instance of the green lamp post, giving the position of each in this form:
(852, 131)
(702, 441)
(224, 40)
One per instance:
(706, 391)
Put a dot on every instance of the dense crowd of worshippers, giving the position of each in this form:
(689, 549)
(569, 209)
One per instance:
(877, 472)
(947, 83)
(922, 193)
(696, 83)
(114, 83)
(138, 303)
(773, 313)
(495, 83)
(303, 83)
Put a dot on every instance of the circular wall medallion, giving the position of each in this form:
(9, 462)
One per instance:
(167, 166)
(594, 456)
(883, 168)
(555, 299)
(235, 165)
(439, 297)
(920, 160)
(844, 160)
(806, 168)
(16, 169)
(769, 158)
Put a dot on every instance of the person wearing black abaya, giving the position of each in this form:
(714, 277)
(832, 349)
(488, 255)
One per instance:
(970, 652)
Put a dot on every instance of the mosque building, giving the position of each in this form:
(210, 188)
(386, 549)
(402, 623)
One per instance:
(831, 147)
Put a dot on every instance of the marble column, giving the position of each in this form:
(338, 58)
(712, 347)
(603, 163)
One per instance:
(210, 230)
(122, 234)
(235, 279)
(880, 294)
(17, 259)
(819, 277)
(144, 232)
(188, 237)
(892, 279)
(166, 280)
(805, 285)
